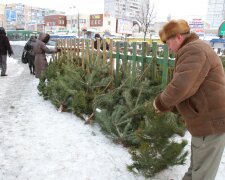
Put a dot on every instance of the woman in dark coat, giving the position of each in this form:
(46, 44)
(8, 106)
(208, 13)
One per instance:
(5, 48)
(40, 49)
(30, 53)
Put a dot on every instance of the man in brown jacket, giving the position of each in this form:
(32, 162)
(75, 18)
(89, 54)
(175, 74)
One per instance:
(197, 92)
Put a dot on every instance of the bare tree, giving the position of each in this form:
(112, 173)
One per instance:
(146, 16)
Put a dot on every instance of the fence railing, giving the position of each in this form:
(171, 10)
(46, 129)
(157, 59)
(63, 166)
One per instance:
(121, 56)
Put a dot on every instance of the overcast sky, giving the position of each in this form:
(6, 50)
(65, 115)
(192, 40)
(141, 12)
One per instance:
(186, 9)
(176, 8)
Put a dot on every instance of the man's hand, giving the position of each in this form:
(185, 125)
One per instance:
(156, 109)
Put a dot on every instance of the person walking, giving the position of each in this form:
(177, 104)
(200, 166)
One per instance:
(30, 53)
(197, 92)
(40, 49)
(5, 48)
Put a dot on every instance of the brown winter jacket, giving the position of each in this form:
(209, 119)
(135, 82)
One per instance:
(197, 88)
(40, 49)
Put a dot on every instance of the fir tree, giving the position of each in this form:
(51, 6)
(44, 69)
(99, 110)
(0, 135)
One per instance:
(124, 113)
(158, 149)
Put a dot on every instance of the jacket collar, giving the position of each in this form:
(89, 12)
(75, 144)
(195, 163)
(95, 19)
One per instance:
(191, 37)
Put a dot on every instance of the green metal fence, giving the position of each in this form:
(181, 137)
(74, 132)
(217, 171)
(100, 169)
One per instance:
(122, 56)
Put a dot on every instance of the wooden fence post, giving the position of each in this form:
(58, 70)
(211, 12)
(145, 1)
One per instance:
(111, 58)
(88, 55)
(104, 50)
(92, 52)
(69, 46)
(82, 53)
(74, 49)
(98, 51)
(77, 47)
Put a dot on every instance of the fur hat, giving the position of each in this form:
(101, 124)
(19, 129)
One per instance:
(173, 28)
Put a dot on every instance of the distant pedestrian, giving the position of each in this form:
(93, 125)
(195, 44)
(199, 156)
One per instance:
(5, 48)
(30, 53)
(97, 36)
(40, 49)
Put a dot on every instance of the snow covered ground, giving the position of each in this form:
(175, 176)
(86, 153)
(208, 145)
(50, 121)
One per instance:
(39, 143)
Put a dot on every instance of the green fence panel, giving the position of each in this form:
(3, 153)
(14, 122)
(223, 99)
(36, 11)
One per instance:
(165, 65)
(154, 60)
(117, 63)
(143, 55)
(134, 58)
(125, 59)
(128, 61)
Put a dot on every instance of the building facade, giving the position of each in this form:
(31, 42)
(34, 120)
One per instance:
(20, 16)
(55, 22)
(215, 13)
(2, 15)
(125, 9)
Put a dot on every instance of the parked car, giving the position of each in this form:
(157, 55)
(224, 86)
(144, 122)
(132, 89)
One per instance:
(51, 44)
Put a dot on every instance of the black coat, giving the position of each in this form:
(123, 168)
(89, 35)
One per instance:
(101, 45)
(5, 45)
(29, 49)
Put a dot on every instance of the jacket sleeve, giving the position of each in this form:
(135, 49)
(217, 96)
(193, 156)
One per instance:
(48, 50)
(8, 46)
(191, 69)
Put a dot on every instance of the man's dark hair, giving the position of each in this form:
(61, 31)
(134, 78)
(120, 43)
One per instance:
(97, 35)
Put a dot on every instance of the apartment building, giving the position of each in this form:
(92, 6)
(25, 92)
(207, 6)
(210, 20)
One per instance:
(19, 16)
(2, 15)
(126, 9)
(215, 13)
(55, 22)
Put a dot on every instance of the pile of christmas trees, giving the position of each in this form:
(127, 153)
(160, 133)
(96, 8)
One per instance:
(124, 113)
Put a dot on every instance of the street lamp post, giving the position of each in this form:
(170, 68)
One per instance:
(78, 20)
(78, 24)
